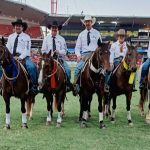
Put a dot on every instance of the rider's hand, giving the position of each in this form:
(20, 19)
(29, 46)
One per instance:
(111, 66)
(79, 58)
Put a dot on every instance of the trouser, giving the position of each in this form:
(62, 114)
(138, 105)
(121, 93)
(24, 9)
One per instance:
(144, 71)
(32, 70)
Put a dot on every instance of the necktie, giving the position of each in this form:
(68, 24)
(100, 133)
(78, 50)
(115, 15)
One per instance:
(121, 48)
(15, 45)
(54, 44)
(88, 38)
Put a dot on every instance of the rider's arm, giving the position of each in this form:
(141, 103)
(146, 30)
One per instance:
(8, 45)
(27, 48)
(78, 46)
(44, 48)
(148, 52)
(63, 47)
(112, 53)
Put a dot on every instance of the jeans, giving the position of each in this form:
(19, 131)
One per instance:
(144, 71)
(67, 70)
(32, 70)
(80, 64)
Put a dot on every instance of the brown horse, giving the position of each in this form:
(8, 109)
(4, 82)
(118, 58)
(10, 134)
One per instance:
(17, 86)
(52, 82)
(92, 81)
(144, 96)
(120, 83)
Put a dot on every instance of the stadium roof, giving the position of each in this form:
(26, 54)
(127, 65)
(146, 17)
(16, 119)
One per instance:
(19, 10)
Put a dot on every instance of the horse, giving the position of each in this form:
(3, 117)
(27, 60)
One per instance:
(52, 81)
(17, 85)
(145, 96)
(122, 82)
(92, 79)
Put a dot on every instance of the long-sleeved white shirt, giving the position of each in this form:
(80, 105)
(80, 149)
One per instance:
(115, 51)
(148, 52)
(81, 44)
(61, 46)
(23, 46)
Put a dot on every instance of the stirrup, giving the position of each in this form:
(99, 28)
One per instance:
(106, 88)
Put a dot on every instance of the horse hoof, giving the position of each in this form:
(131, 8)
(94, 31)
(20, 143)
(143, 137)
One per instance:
(58, 125)
(102, 126)
(112, 120)
(30, 118)
(130, 123)
(48, 123)
(83, 124)
(63, 115)
(24, 126)
(142, 114)
(7, 127)
(147, 121)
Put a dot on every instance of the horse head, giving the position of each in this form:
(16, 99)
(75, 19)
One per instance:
(103, 54)
(45, 68)
(5, 55)
(131, 58)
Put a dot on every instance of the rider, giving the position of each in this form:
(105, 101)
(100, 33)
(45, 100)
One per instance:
(19, 45)
(57, 44)
(85, 45)
(118, 51)
(145, 68)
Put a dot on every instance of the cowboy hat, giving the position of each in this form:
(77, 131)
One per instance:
(54, 24)
(25, 26)
(121, 32)
(20, 22)
(88, 17)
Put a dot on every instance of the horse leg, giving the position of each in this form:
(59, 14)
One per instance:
(24, 115)
(58, 101)
(128, 103)
(62, 108)
(113, 110)
(29, 108)
(49, 99)
(148, 114)
(81, 111)
(89, 107)
(100, 109)
(141, 101)
(84, 107)
(7, 103)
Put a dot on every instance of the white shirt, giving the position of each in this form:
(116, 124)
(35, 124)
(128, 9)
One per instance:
(148, 52)
(23, 46)
(81, 44)
(61, 46)
(115, 50)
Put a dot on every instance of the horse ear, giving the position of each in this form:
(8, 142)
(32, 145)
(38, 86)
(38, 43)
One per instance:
(3, 41)
(99, 42)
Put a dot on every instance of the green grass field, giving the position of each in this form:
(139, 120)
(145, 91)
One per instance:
(70, 136)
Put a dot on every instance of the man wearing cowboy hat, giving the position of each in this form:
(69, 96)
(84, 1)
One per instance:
(56, 43)
(19, 45)
(118, 51)
(85, 45)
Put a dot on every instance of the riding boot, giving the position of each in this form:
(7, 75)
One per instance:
(76, 86)
(143, 74)
(69, 86)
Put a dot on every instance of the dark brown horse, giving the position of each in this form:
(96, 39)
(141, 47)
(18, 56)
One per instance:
(92, 81)
(17, 86)
(120, 81)
(52, 82)
(144, 96)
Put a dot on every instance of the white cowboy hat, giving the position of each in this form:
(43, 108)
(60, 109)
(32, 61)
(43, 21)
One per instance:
(88, 17)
